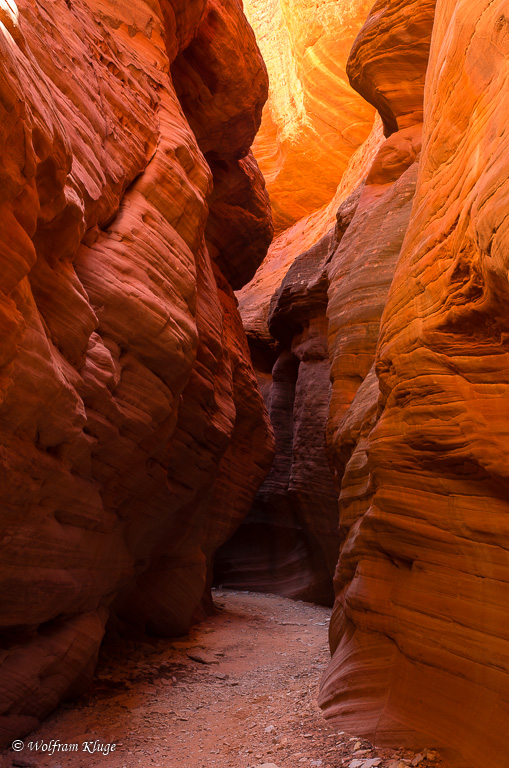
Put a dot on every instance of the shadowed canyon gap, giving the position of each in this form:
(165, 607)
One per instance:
(134, 437)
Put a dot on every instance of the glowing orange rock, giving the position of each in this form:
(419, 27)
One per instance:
(419, 631)
(313, 121)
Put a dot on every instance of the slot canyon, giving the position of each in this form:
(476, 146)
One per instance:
(254, 381)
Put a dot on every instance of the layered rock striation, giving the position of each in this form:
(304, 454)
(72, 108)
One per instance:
(420, 632)
(133, 433)
(313, 120)
(128, 405)
(411, 291)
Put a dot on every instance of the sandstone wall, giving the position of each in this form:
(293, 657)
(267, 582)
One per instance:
(417, 293)
(419, 630)
(313, 120)
(126, 392)
(288, 543)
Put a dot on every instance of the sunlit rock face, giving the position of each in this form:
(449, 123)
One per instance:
(419, 629)
(129, 410)
(313, 120)
(388, 60)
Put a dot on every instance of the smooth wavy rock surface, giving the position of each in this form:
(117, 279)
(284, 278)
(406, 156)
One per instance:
(420, 632)
(313, 121)
(388, 60)
(126, 392)
(255, 297)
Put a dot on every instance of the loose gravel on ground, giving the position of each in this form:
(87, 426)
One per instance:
(238, 692)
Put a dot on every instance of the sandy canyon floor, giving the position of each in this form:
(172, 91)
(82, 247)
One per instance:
(238, 692)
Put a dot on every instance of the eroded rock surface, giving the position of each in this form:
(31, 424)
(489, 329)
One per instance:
(133, 435)
(420, 626)
(313, 120)
(388, 60)
(126, 392)
(416, 434)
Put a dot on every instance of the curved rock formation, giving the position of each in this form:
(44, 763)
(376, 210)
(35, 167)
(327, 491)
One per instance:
(313, 120)
(416, 305)
(255, 297)
(419, 630)
(288, 543)
(133, 434)
(126, 392)
(388, 60)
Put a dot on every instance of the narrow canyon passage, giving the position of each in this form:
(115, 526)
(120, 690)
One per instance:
(254, 334)
(238, 692)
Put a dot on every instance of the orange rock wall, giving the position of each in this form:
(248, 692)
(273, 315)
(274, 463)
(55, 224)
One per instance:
(126, 392)
(313, 120)
(254, 298)
(416, 307)
(419, 633)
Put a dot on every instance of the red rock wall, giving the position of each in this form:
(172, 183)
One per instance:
(125, 385)
(419, 630)
(416, 434)
(289, 543)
